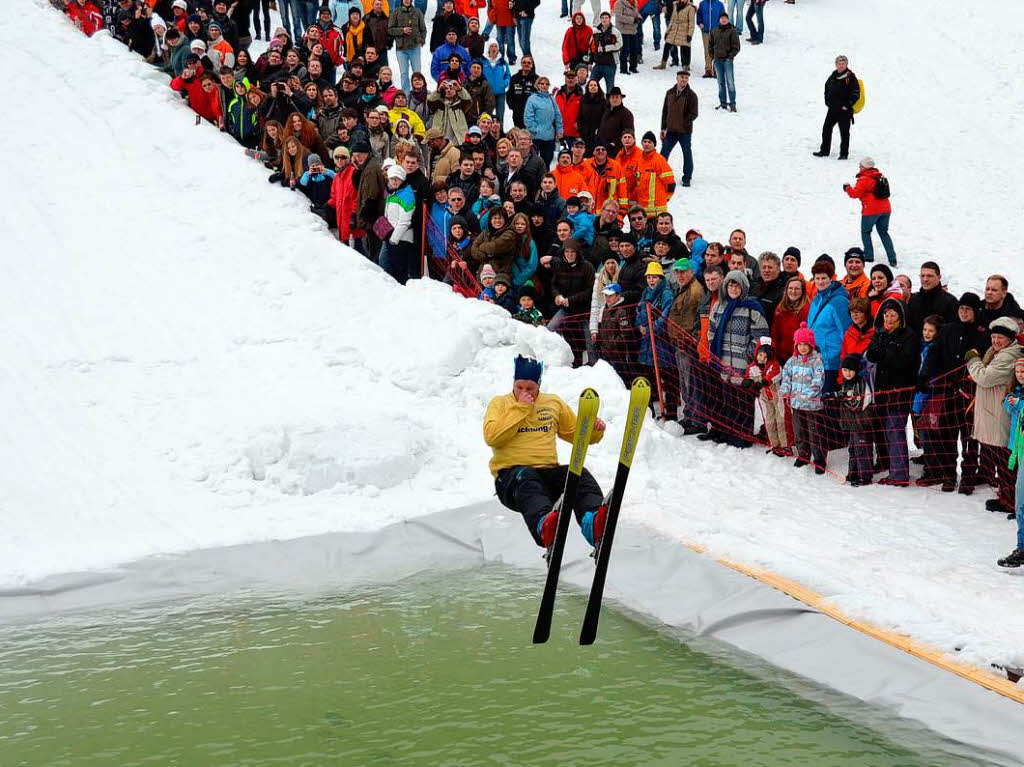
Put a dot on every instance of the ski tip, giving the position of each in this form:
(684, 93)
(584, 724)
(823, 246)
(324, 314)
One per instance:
(640, 383)
(589, 394)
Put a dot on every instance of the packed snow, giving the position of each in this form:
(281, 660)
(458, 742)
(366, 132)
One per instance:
(191, 360)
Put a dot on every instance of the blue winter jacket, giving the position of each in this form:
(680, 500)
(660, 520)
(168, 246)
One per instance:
(1013, 403)
(498, 74)
(708, 13)
(524, 268)
(829, 317)
(439, 62)
(317, 186)
(921, 397)
(660, 299)
(437, 228)
(697, 250)
(542, 117)
(801, 380)
(582, 225)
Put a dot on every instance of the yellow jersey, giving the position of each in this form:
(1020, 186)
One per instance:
(523, 434)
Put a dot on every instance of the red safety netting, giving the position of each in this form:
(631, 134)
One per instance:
(443, 262)
(736, 406)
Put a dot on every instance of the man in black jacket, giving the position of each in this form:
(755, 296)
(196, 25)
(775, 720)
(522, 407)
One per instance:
(955, 391)
(930, 299)
(769, 290)
(522, 84)
(999, 302)
(842, 91)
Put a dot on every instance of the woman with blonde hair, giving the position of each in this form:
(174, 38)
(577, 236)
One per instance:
(294, 162)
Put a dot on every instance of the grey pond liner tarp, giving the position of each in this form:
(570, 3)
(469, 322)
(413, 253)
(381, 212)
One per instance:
(661, 580)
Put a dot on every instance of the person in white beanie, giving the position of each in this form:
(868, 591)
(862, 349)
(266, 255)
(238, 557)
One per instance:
(875, 209)
(994, 374)
(398, 251)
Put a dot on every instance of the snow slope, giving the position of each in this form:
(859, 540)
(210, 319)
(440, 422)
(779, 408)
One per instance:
(190, 360)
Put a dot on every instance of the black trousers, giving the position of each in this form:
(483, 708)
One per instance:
(835, 117)
(533, 492)
(257, 5)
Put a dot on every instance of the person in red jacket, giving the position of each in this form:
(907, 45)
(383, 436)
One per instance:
(202, 90)
(875, 211)
(791, 311)
(85, 15)
(576, 42)
(568, 99)
(343, 197)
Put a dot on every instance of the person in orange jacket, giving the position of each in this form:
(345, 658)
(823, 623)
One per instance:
(568, 178)
(856, 282)
(629, 160)
(655, 181)
(609, 182)
(202, 90)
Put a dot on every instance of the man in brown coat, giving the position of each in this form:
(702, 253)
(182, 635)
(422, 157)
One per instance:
(683, 320)
(677, 116)
(444, 155)
(371, 191)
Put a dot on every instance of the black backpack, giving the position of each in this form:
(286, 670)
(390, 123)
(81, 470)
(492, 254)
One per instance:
(882, 188)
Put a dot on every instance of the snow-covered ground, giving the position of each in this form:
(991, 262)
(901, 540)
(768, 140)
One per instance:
(190, 360)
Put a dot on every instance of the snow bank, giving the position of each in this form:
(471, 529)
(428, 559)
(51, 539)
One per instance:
(192, 361)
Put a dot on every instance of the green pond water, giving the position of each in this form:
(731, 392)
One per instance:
(428, 672)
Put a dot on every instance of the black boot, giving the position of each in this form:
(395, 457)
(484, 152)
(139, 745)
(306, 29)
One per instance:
(994, 504)
(1014, 559)
(819, 153)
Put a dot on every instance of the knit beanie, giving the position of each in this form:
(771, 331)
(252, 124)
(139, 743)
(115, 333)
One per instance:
(804, 335)
(853, 253)
(971, 301)
(794, 252)
(851, 362)
(884, 270)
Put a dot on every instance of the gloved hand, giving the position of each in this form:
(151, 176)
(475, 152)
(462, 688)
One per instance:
(845, 187)
(971, 354)
(689, 38)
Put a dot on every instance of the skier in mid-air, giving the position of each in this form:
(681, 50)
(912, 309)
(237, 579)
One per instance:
(520, 428)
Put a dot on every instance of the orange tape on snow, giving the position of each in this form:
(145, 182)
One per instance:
(902, 642)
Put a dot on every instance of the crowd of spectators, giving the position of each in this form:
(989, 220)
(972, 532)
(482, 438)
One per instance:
(562, 218)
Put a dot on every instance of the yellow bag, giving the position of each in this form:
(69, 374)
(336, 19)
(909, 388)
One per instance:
(860, 101)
